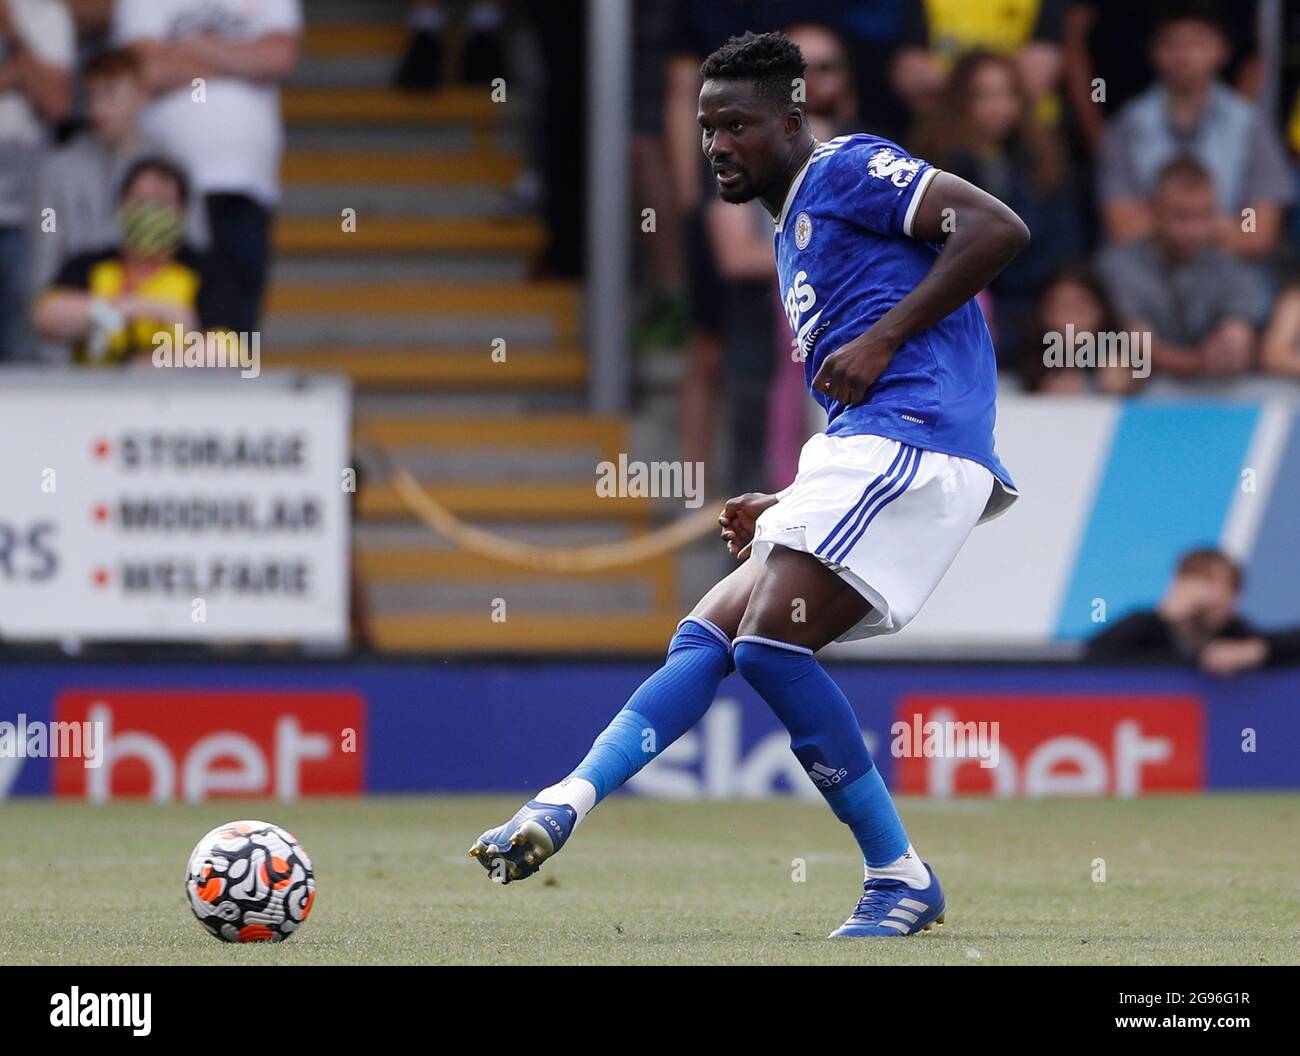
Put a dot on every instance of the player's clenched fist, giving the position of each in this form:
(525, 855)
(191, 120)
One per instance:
(848, 372)
(737, 519)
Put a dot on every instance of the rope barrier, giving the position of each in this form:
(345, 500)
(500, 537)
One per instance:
(593, 558)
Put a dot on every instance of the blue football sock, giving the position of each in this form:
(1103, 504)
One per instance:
(827, 741)
(665, 706)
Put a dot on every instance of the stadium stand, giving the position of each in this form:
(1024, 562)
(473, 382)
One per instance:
(408, 306)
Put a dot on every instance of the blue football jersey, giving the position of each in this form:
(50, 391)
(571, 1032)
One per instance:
(844, 257)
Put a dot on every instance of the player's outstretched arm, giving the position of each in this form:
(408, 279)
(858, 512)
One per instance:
(980, 235)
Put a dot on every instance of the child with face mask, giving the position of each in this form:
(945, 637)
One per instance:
(110, 305)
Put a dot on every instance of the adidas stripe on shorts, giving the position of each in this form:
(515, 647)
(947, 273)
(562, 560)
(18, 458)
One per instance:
(886, 517)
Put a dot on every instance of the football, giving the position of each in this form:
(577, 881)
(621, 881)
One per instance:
(250, 881)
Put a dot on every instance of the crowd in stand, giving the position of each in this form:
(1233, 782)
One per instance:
(140, 149)
(1150, 148)
(140, 146)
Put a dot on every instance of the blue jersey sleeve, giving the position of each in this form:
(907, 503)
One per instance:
(878, 185)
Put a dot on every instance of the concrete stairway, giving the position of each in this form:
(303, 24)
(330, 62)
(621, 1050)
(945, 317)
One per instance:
(411, 305)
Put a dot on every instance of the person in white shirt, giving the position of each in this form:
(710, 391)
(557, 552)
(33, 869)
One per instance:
(214, 67)
(37, 46)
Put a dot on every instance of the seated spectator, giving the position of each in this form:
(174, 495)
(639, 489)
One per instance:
(111, 303)
(1279, 349)
(984, 131)
(1190, 112)
(1196, 622)
(1201, 308)
(79, 180)
(231, 140)
(37, 48)
(1072, 304)
(935, 36)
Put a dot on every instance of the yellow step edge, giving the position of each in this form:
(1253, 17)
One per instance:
(388, 234)
(525, 632)
(335, 39)
(509, 500)
(402, 565)
(471, 368)
(475, 168)
(559, 300)
(556, 300)
(546, 431)
(377, 106)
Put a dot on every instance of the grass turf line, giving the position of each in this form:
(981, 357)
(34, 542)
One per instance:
(1195, 879)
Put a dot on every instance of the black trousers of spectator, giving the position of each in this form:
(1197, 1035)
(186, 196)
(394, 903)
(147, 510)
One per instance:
(15, 305)
(240, 232)
(750, 350)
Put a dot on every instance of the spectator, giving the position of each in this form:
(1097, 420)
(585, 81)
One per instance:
(110, 304)
(1190, 112)
(664, 314)
(37, 48)
(729, 254)
(830, 94)
(1279, 350)
(79, 180)
(1109, 41)
(229, 137)
(483, 53)
(1201, 308)
(936, 36)
(984, 131)
(1074, 302)
(695, 30)
(831, 106)
(1196, 622)
(740, 241)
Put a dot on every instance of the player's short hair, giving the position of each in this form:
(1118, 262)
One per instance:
(159, 164)
(1183, 172)
(1201, 560)
(115, 62)
(772, 61)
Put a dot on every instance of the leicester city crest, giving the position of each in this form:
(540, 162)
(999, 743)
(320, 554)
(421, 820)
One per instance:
(802, 230)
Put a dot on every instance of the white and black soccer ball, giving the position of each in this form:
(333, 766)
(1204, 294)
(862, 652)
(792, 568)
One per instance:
(250, 881)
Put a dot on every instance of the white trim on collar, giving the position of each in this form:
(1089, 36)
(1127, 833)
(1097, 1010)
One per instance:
(795, 184)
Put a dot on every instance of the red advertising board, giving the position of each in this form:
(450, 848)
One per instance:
(1046, 744)
(195, 745)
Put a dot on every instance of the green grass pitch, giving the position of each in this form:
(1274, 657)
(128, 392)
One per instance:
(1197, 879)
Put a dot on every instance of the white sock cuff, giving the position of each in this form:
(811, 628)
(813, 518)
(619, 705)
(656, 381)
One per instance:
(712, 628)
(575, 792)
(907, 867)
(759, 639)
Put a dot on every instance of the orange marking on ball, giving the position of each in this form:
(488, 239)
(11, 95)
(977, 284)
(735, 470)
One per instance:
(211, 887)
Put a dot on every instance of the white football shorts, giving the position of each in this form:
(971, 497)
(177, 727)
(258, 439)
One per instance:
(886, 517)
